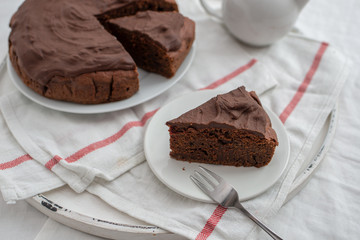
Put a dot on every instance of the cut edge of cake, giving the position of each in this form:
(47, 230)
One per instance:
(230, 129)
(158, 47)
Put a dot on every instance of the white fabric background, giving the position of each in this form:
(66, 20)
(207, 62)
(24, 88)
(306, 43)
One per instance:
(328, 208)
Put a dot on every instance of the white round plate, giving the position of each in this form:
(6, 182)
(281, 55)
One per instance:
(248, 181)
(151, 85)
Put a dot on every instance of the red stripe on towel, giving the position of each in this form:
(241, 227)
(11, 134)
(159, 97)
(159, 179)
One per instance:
(15, 162)
(52, 162)
(103, 143)
(231, 75)
(302, 88)
(211, 223)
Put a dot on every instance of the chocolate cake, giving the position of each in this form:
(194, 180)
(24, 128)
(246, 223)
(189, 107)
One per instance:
(158, 41)
(60, 49)
(229, 129)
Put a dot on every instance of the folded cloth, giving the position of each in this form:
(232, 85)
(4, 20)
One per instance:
(310, 75)
(44, 149)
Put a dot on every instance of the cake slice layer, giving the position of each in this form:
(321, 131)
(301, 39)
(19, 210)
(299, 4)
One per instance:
(229, 129)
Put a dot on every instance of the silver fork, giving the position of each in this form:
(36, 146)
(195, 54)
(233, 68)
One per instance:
(224, 194)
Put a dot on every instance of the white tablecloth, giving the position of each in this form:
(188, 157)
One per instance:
(327, 208)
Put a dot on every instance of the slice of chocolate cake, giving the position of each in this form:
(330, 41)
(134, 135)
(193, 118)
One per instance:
(229, 129)
(157, 41)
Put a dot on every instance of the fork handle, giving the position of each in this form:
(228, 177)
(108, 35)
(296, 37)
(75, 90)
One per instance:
(239, 206)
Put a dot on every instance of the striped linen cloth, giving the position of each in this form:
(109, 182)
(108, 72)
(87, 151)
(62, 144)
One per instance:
(310, 76)
(42, 149)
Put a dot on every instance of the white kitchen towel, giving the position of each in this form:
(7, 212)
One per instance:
(46, 148)
(310, 76)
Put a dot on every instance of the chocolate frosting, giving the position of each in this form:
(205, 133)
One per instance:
(64, 38)
(237, 109)
(164, 28)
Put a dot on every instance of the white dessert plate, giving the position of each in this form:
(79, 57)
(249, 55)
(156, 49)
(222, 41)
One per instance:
(151, 85)
(249, 181)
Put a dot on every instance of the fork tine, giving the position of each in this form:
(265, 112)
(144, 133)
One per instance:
(200, 184)
(214, 175)
(202, 178)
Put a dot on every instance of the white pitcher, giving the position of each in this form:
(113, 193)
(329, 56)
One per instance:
(258, 22)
